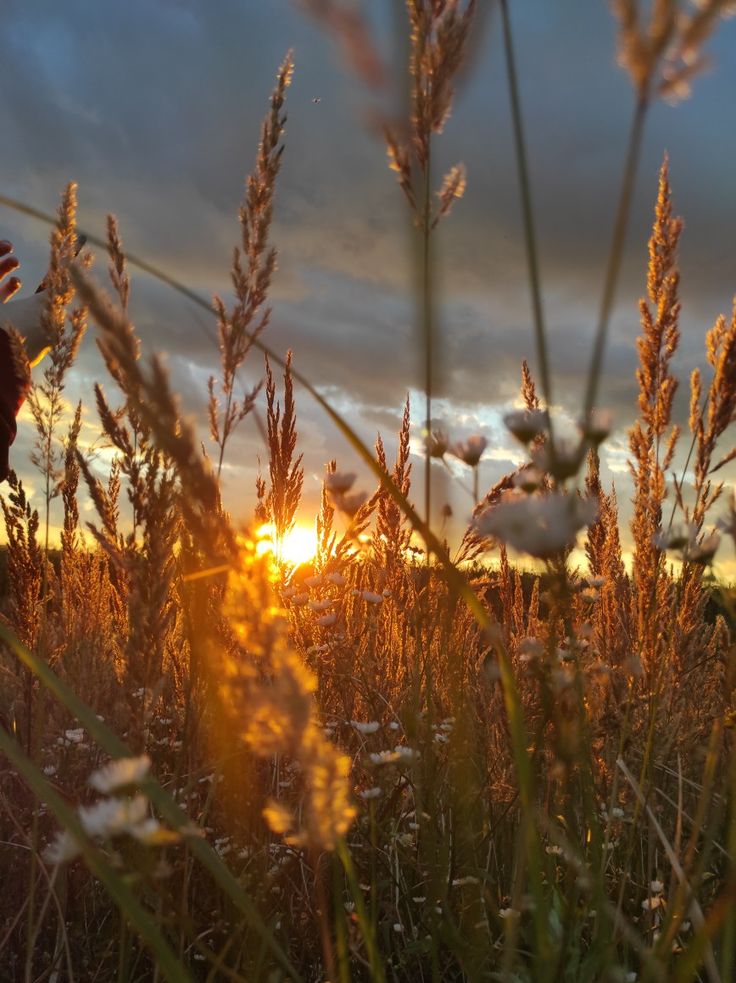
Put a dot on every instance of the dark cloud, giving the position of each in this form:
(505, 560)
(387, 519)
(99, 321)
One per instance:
(155, 110)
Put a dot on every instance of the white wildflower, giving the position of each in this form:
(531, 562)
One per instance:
(339, 482)
(704, 551)
(400, 755)
(120, 773)
(525, 425)
(471, 450)
(350, 504)
(541, 525)
(676, 537)
(562, 460)
(152, 833)
(111, 817)
(371, 793)
(436, 443)
(530, 649)
(74, 736)
(370, 727)
(323, 605)
(598, 426)
(649, 904)
(63, 848)
(656, 887)
(528, 479)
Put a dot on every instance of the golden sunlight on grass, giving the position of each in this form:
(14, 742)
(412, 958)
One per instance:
(297, 547)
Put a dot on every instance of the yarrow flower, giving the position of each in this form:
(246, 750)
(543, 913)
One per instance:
(339, 482)
(120, 773)
(471, 450)
(436, 443)
(684, 539)
(597, 426)
(370, 727)
(526, 425)
(528, 479)
(541, 525)
(562, 459)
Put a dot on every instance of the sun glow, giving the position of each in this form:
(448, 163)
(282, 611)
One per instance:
(297, 547)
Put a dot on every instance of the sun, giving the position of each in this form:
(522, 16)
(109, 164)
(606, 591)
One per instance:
(297, 547)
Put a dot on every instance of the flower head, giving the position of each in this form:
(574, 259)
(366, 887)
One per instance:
(436, 443)
(470, 450)
(525, 425)
(120, 773)
(541, 525)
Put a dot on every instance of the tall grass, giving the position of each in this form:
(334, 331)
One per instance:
(395, 761)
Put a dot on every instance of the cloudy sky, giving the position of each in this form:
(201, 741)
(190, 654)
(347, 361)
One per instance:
(154, 107)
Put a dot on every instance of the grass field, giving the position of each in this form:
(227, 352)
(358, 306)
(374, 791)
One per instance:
(232, 754)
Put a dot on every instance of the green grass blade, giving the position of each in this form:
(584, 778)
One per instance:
(115, 886)
(167, 807)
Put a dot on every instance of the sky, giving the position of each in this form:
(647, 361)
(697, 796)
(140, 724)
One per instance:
(154, 108)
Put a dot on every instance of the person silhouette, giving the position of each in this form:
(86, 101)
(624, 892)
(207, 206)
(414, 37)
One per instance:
(26, 316)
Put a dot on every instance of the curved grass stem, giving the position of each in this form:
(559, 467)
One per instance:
(615, 255)
(530, 238)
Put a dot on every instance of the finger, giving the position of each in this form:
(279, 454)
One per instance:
(7, 290)
(7, 265)
(5, 247)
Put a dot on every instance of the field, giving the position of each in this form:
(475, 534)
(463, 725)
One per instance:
(405, 753)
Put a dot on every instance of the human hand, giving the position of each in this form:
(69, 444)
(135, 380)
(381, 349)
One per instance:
(12, 387)
(8, 264)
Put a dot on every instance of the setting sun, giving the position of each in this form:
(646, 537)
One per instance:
(297, 547)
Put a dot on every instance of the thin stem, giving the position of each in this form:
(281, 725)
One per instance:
(617, 249)
(530, 239)
(427, 332)
(224, 426)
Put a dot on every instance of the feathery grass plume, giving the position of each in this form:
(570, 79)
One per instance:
(605, 558)
(254, 263)
(392, 536)
(347, 24)
(662, 52)
(150, 394)
(668, 46)
(326, 536)
(286, 473)
(652, 439)
(27, 578)
(710, 416)
(25, 559)
(268, 692)
(64, 333)
(438, 41)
